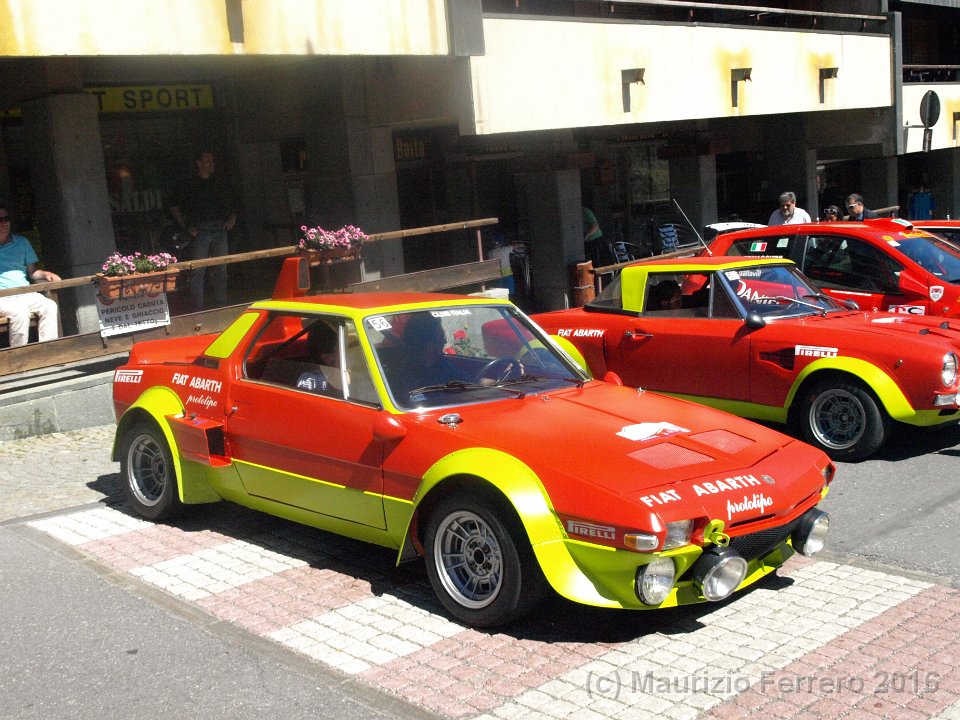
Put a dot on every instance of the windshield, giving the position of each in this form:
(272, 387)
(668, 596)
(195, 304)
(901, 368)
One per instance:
(934, 254)
(456, 355)
(777, 291)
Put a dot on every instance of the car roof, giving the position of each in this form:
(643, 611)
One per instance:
(877, 228)
(704, 264)
(367, 301)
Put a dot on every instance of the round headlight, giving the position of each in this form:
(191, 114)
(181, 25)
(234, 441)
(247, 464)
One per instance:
(949, 371)
(811, 533)
(719, 572)
(655, 581)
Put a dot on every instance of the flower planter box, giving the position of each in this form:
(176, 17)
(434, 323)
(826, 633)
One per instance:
(111, 287)
(323, 256)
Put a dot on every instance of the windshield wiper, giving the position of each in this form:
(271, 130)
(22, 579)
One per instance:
(461, 385)
(784, 298)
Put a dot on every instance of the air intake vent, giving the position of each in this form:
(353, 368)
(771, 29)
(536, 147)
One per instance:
(668, 455)
(723, 440)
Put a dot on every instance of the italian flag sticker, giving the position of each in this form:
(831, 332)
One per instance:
(758, 247)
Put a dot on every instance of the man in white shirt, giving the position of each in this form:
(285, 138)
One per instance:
(788, 213)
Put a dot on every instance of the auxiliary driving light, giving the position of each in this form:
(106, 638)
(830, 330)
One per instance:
(655, 581)
(811, 533)
(719, 572)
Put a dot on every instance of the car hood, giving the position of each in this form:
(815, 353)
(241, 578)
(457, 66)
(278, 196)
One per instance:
(915, 327)
(622, 440)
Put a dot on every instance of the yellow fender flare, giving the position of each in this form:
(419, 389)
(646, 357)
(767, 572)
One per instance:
(158, 403)
(523, 489)
(882, 385)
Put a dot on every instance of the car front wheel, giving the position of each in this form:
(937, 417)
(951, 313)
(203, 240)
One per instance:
(843, 419)
(149, 477)
(479, 570)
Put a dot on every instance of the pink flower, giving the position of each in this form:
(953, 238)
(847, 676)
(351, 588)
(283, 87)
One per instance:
(459, 334)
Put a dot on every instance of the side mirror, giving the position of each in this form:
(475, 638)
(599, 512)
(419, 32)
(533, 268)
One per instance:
(612, 378)
(848, 304)
(386, 428)
(755, 321)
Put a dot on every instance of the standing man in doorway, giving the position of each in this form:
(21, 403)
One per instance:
(788, 213)
(18, 266)
(207, 210)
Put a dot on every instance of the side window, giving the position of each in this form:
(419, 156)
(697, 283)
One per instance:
(300, 352)
(850, 263)
(825, 259)
(663, 295)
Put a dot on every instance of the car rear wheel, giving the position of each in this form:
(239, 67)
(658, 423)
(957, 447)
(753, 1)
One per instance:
(149, 477)
(843, 419)
(479, 570)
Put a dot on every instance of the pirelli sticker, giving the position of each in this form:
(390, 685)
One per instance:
(815, 351)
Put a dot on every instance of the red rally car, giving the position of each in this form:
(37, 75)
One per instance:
(455, 429)
(911, 268)
(754, 337)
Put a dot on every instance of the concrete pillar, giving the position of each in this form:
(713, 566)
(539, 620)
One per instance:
(351, 177)
(790, 165)
(693, 183)
(73, 212)
(879, 179)
(555, 224)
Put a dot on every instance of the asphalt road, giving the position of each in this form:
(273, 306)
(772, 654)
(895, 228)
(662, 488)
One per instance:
(900, 508)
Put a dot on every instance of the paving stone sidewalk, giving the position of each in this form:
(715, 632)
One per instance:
(45, 473)
(820, 640)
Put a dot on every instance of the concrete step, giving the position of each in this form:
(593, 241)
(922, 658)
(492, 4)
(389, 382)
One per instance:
(59, 398)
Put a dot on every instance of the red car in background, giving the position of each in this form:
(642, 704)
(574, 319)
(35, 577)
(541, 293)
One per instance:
(753, 337)
(885, 264)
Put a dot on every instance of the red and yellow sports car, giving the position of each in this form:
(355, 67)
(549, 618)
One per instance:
(752, 336)
(452, 427)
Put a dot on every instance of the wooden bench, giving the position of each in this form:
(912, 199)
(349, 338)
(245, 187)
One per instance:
(5, 330)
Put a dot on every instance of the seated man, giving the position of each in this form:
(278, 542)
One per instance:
(422, 361)
(665, 295)
(323, 344)
(18, 265)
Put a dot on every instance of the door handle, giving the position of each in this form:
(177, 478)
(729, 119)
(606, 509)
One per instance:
(637, 335)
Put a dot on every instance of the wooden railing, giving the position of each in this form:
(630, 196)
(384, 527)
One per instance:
(90, 345)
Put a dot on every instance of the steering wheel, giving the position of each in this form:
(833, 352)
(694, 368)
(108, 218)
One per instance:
(500, 369)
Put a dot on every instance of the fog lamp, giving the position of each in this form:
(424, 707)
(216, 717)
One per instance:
(655, 581)
(719, 572)
(811, 533)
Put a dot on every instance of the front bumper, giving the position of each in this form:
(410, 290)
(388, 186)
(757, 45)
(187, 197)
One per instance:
(606, 577)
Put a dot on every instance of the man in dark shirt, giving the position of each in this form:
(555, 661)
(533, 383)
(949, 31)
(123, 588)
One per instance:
(207, 210)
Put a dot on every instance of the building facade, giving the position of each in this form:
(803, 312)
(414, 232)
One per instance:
(401, 113)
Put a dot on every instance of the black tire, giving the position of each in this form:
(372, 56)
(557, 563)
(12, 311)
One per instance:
(480, 564)
(148, 473)
(844, 419)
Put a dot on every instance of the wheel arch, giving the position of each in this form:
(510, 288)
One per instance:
(154, 405)
(518, 488)
(883, 387)
(487, 469)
